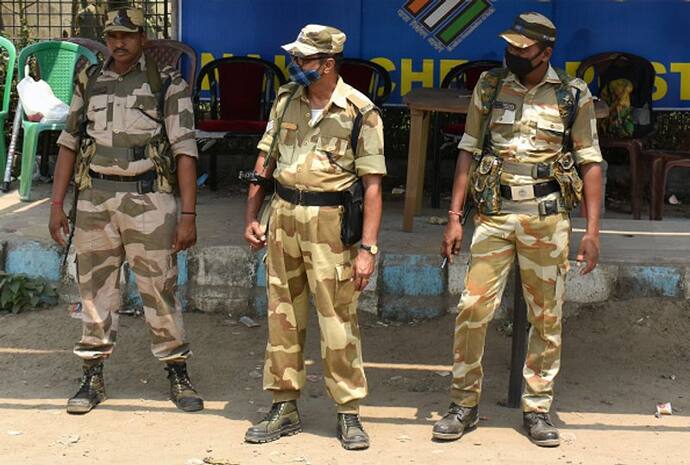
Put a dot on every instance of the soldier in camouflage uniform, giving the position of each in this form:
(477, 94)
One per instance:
(314, 161)
(519, 125)
(129, 125)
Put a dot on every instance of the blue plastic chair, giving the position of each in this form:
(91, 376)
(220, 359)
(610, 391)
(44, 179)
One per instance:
(57, 62)
(5, 104)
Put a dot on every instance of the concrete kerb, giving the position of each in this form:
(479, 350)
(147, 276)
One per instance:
(405, 286)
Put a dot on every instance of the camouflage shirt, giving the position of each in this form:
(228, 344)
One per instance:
(116, 116)
(303, 146)
(526, 125)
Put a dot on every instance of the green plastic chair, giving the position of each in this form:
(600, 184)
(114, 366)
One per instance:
(5, 107)
(57, 62)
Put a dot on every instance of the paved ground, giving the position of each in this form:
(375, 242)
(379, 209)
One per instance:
(221, 217)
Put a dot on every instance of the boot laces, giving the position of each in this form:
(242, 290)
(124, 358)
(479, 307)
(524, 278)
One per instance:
(275, 412)
(544, 417)
(86, 380)
(352, 421)
(179, 378)
(458, 410)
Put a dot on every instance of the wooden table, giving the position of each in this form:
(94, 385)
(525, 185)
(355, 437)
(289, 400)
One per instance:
(422, 103)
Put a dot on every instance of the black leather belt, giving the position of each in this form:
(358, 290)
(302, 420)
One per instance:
(535, 191)
(142, 183)
(125, 153)
(147, 176)
(309, 198)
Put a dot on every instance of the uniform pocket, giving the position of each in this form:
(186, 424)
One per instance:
(332, 154)
(550, 131)
(97, 112)
(141, 113)
(287, 140)
(344, 287)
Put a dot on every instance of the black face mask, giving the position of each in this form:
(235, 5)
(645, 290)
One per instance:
(519, 65)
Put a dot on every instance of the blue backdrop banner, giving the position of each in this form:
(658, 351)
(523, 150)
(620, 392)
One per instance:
(418, 41)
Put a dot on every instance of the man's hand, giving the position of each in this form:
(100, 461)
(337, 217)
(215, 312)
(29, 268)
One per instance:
(363, 268)
(588, 252)
(254, 235)
(58, 225)
(185, 233)
(452, 239)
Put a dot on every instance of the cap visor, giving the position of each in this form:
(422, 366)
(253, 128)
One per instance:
(299, 49)
(518, 40)
(119, 29)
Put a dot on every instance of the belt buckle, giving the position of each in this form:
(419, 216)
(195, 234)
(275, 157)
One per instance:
(548, 207)
(300, 196)
(541, 171)
(145, 186)
(525, 192)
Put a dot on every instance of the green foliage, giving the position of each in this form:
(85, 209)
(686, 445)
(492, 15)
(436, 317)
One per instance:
(672, 130)
(20, 292)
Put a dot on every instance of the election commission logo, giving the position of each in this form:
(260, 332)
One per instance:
(445, 23)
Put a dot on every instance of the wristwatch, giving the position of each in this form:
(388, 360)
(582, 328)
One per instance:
(372, 249)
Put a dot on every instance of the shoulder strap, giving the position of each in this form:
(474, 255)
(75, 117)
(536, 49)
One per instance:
(493, 81)
(564, 95)
(357, 126)
(91, 75)
(279, 121)
(158, 88)
(567, 105)
(153, 75)
(363, 106)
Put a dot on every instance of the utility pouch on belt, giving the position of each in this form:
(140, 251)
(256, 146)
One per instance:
(486, 185)
(353, 214)
(569, 180)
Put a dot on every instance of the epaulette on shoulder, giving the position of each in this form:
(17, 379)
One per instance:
(88, 73)
(169, 72)
(360, 101)
(488, 86)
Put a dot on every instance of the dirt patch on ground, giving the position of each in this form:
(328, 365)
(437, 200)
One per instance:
(619, 360)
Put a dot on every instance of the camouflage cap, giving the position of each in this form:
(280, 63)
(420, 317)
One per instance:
(315, 39)
(125, 20)
(528, 29)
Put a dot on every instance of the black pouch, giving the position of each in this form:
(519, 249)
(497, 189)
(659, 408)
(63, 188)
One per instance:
(353, 214)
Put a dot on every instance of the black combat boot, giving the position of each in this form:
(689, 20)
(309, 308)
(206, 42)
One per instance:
(91, 390)
(540, 429)
(454, 424)
(282, 420)
(182, 392)
(351, 432)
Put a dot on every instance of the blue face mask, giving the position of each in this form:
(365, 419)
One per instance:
(301, 77)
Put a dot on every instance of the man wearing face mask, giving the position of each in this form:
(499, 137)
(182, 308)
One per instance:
(321, 137)
(531, 132)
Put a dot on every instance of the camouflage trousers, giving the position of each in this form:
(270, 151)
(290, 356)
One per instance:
(541, 245)
(112, 227)
(305, 254)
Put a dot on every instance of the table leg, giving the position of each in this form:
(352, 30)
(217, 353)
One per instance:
(519, 348)
(426, 123)
(415, 162)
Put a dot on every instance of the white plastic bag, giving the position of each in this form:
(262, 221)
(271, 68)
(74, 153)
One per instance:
(38, 97)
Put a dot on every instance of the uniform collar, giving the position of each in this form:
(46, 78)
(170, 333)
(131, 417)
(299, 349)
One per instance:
(551, 76)
(338, 97)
